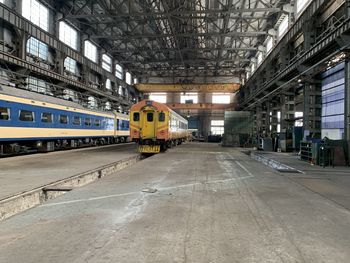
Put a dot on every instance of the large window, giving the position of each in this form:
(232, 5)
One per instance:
(63, 119)
(46, 117)
(253, 67)
(25, 115)
(136, 116)
(76, 120)
(107, 62)
(4, 114)
(217, 127)
(189, 98)
(301, 5)
(159, 97)
(260, 57)
(298, 115)
(283, 27)
(128, 78)
(221, 98)
(119, 71)
(36, 12)
(37, 48)
(70, 65)
(108, 84)
(68, 35)
(38, 85)
(90, 51)
(269, 44)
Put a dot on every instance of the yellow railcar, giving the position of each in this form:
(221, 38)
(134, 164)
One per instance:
(155, 127)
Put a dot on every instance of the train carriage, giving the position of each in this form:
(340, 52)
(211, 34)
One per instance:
(155, 127)
(32, 121)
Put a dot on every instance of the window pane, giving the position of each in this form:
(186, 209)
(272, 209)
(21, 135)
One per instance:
(76, 120)
(36, 12)
(283, 27)
(189, 98)
(87, 121)
(217, 130)
(68, 35)
(70, 65)
(269, 44)
(63, 119)
(108, 84)
(217, 123)
(161, 116)
(136, 116)
(107, 62)
(119, 71)
(46, 117)
(37, 48)
(97, 122)
(158, 97)
(25, 115)
(221, 98)
(260, 57)
(149, 116)
(301, 4)
(128, 78)
(90, 51)
(4, 114)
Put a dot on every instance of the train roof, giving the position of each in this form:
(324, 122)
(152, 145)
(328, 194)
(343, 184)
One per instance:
(160, 106)
(31, 95)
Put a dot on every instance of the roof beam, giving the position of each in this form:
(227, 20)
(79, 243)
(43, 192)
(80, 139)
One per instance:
(126, 37)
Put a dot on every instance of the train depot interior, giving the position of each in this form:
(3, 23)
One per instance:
(204, 131)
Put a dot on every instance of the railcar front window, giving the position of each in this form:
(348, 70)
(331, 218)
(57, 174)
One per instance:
(25, 115)
(150, 117)
(63, 119)
(161, 116)
(4, 114)
(136, 116)
(46, 117)
(76, 120)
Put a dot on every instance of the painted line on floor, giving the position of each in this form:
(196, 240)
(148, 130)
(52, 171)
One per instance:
(244, 168)
(90, 199)
(138, 192)
(204, 183)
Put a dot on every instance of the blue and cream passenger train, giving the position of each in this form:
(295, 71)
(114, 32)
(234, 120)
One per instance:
(34, 122)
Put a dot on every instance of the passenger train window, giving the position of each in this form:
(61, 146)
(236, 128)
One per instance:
(87, 122)
(97, 122)
(136, 116)
(4, 114)
(161, 116)
(46, 117)
(26, 115)
(150, 117)
(63, 119)
(76, 120)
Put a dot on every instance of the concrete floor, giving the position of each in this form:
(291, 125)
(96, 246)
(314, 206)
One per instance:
(213, 204)
(331, 182)
(26, 172)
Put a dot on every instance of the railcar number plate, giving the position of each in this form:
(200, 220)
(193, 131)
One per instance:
(149, 148)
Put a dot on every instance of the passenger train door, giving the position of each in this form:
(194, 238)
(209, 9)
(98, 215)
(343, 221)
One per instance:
(148, 124)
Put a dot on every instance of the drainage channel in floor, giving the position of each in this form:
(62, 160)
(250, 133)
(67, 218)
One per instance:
(280, 167)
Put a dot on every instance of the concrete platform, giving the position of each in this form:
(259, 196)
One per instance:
(212, 204)
(24, 173)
